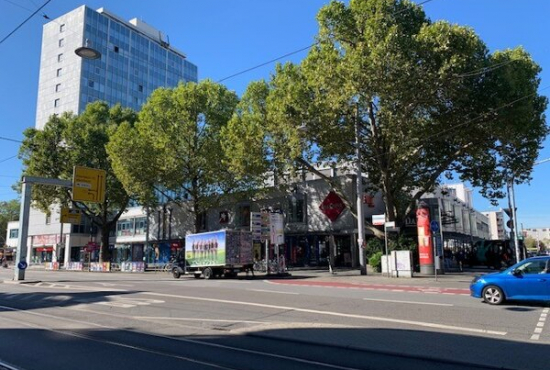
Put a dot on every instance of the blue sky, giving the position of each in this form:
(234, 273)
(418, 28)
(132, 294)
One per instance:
(224, 37)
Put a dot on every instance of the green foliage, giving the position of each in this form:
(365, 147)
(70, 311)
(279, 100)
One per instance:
(402, 242)
(9, 211)
(375, 261)
(70, 140)
(373, 246)
(176, 147)
(428, 97)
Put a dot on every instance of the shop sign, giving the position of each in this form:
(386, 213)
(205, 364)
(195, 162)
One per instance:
(45, 239)
(277, 228)
(332, 206)
(379, 220)
(256, 225)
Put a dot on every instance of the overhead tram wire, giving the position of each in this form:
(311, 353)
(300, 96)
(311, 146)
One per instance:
(25, 21)
(8, 139)
(292, 53)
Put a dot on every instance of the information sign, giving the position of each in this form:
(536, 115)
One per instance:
(88, 184)
(70, 216)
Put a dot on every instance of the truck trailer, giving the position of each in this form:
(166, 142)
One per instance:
(218, 253)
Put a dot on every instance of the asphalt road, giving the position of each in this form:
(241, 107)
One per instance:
(68, 320)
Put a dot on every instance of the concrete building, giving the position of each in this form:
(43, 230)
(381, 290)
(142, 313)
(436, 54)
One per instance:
(496, 225)
(135, 60)
(541, 234)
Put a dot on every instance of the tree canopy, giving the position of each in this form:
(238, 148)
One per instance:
(9, 211)
(78, 140)
(428, 98)
(174, 149)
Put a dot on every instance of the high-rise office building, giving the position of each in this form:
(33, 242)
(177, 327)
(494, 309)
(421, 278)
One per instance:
(135, 60)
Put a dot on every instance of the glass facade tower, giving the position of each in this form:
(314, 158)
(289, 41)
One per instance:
(135, 60)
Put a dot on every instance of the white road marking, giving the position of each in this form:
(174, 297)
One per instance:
(75, 287)
(338, 314)
(198, 342)
(540, 324)
(126, 302)
(411, 302)
(195, 319)
(272, 291)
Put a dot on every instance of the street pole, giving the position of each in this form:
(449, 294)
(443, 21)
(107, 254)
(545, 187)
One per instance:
(359, 190)
(386, 247)
(512, 199)
(22, 248)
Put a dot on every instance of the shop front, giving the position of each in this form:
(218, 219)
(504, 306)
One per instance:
(160, 253)
(315, 250)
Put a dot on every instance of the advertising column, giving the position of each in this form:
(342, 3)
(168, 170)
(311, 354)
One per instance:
(425, 246)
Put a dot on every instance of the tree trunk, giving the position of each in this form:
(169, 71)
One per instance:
(104, 255)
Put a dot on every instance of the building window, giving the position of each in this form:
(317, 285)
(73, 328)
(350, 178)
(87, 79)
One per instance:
(61, 28)
(243, 215)
(141, 225)
(90, 83)
(140, 88)
(56, 103)
(115, 49)
(296, 209)
(60, 57)
(14, 233)
(61, 42)
(124, 228)
(58, 88)
(48, 218)
(59, 72)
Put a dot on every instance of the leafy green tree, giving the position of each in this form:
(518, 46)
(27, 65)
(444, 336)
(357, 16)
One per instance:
(78, 140)
(9, 211)
(428, 98)
(175, 148)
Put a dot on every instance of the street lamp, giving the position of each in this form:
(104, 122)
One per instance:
(87, 52)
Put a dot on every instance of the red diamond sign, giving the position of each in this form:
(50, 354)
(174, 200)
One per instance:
(332, 206)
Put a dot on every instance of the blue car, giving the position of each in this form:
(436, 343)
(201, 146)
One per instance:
(526, 280)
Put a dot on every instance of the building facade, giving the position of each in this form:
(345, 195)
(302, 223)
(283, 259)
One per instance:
(135, 60)
(496, 225)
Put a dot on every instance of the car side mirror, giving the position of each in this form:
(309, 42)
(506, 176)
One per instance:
(517, 272)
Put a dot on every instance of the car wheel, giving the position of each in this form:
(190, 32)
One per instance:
(176, 274)
(493, 295)
(208, 273)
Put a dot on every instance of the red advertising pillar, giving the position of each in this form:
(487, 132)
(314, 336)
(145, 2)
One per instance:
(425, 246)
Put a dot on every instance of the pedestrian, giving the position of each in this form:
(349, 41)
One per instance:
(460, 259)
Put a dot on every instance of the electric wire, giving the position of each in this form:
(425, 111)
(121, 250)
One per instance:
(8, 139)
(25, 21)
(293, 52)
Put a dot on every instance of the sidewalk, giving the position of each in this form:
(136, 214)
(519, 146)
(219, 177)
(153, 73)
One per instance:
(460, 280)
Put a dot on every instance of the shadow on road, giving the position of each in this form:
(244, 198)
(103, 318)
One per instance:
(349, 348)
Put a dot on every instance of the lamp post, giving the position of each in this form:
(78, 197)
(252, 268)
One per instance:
(87, 52)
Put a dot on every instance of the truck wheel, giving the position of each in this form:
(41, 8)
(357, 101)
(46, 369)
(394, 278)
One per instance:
(208, 273)
(176, 274)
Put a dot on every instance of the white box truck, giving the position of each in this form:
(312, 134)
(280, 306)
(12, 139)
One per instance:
(219, 253)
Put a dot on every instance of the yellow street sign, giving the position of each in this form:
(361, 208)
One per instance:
(70, 216)
(88, 184)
